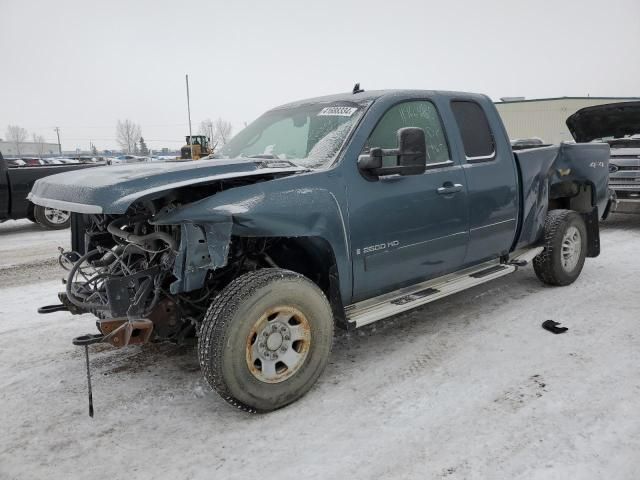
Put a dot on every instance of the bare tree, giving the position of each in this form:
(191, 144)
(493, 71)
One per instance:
(206, 128)
(17, 135)
(127, 135)
(222, 131)
(39, 144)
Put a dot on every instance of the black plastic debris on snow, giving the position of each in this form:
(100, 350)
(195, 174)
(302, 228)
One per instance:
(553, 327)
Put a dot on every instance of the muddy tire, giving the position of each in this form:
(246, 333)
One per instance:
(266, 339)
(565, 248)
(51, 218)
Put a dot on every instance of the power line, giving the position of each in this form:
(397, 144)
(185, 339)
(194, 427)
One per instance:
(156, 125)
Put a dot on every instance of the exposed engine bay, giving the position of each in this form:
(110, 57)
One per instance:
(132, 276)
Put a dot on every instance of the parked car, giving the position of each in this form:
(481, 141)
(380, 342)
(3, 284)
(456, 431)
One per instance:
(333, 211)
(126, 159)
(16, 179)
(617, 124)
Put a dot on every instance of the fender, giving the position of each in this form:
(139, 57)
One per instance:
(286, 207)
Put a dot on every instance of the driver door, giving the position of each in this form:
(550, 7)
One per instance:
(406, 229)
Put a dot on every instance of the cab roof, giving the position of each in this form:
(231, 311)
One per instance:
(368, 97)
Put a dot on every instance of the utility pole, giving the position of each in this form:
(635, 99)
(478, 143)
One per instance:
(57, 129)
(189, 113)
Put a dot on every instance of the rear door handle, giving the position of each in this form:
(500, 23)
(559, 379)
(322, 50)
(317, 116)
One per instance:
(448, 188)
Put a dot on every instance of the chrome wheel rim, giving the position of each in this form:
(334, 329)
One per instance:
(55, 216)
(571, 248)
(278, 344)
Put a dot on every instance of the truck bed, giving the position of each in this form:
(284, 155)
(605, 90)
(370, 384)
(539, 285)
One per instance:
(547, 172)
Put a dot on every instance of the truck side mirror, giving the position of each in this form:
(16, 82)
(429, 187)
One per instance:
(412, 146)
(411, 155)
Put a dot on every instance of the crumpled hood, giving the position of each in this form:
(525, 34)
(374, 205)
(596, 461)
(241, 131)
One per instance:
(112, 189)
(610, 120)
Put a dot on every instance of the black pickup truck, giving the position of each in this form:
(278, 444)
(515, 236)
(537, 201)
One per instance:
(15, 183)
(332, 211)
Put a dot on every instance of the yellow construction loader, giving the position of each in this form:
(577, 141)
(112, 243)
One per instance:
(200, 146)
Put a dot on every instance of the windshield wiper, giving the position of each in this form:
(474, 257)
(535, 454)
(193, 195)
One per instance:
(266, 156)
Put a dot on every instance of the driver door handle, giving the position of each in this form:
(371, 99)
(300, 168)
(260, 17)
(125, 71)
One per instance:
(448, 188)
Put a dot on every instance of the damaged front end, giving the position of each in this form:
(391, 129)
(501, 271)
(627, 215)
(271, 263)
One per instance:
(147, 282)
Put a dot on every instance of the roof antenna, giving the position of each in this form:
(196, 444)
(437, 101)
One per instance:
(357, 89)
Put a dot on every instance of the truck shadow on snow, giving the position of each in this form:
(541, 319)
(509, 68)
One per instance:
(621, 221)
(434, 328)
(19, 226)
(433, 332)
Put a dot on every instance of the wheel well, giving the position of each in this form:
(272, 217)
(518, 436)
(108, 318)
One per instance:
(312, 257)
(579, 197)
(572, 195)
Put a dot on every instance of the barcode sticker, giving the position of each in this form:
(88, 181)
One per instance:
(337, 111)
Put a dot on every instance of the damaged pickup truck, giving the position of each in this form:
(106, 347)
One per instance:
(334, 211)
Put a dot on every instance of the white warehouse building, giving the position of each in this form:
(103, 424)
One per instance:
(545, 117)
(10, 149)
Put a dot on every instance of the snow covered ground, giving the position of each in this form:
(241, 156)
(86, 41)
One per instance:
(467, 387)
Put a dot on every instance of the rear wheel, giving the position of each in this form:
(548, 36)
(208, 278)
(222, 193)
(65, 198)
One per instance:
(266, 339)
(565, 248)
(52, 218)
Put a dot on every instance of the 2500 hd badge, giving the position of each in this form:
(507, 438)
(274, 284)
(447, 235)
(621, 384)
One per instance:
(379, 246)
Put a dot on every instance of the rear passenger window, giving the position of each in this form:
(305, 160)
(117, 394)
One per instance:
(474, 128)
(422, 114)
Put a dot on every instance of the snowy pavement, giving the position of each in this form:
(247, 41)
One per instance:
(467, 387)
(28, 252)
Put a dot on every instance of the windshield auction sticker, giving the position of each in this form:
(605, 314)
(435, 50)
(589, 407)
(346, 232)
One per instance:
(337, 111)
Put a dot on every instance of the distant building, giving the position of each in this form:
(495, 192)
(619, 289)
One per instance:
(545, 117)
(10, 149)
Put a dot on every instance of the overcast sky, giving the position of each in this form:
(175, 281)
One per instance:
(85, 64)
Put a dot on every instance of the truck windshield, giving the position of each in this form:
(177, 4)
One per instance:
(309, 135)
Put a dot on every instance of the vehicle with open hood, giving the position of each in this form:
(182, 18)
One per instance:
(617, 124)
(332, 211)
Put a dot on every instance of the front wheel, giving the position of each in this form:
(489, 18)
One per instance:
(51, 218)
(266, 339)
(565, 248)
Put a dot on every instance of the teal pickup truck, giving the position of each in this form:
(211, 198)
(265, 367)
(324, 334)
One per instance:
(333, 211)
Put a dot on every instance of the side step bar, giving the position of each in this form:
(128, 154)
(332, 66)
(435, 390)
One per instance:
(377, 308)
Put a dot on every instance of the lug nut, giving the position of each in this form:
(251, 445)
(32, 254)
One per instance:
(283, 349)
(287, 337)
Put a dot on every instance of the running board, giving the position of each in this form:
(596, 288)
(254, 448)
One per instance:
(377, 308)
(525, 257)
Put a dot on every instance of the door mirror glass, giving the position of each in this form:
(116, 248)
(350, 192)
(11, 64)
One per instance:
(412, 148)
